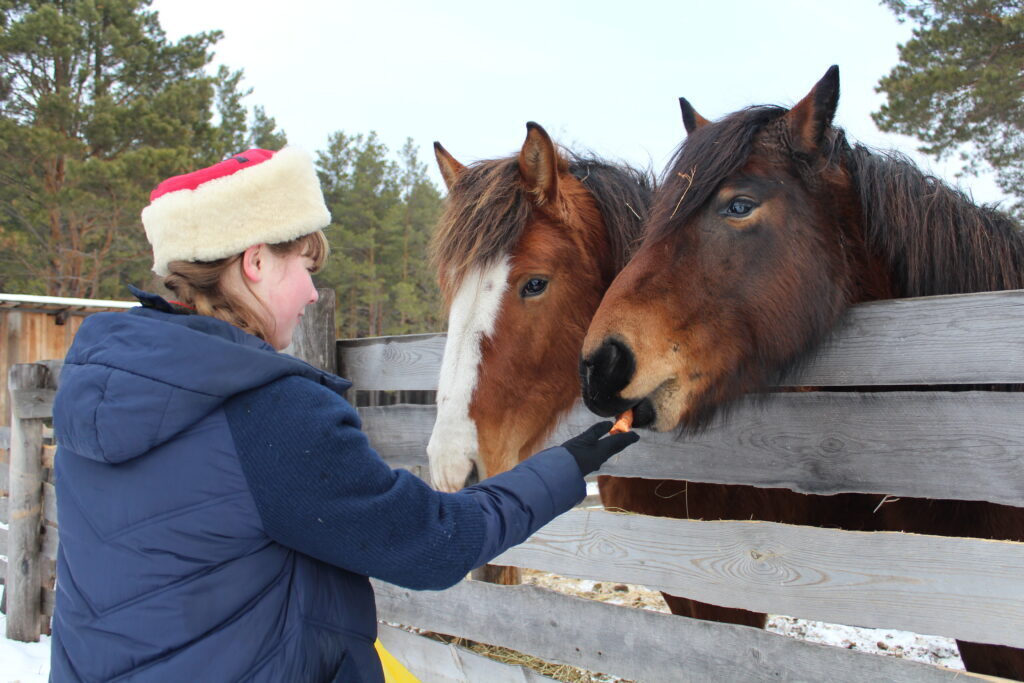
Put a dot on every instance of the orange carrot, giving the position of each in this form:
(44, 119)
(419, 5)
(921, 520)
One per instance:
(623, 423)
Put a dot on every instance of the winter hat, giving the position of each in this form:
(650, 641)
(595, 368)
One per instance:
(255, 197)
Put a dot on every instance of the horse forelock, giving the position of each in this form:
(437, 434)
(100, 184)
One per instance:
(484, 217)
(707, 156)
(488, 209)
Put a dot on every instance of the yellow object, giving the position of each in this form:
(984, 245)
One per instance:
(394, 672)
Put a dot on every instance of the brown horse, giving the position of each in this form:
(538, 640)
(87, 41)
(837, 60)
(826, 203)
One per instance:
(525, 248)
(768, 225)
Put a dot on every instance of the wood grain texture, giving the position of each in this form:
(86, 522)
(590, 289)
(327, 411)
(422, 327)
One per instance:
(410, 362)
(436, 662)
(632, 643)
(32, 403)
(49, 543)
(943, 445)
(24, 506)
(926, 584)
(49, 503)
(958, 339)
(314, 339)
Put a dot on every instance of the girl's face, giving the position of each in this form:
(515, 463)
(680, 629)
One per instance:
(284, 284)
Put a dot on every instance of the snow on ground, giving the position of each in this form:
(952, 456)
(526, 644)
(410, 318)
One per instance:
(23, 662)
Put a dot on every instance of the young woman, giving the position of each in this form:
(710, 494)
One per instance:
(220, 509)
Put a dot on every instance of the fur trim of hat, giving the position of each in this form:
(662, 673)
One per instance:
(255, 197)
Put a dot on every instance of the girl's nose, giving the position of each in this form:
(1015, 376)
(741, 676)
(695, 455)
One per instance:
(315, 295)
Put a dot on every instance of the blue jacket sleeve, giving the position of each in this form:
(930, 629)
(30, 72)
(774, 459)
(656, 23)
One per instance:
(322, 490)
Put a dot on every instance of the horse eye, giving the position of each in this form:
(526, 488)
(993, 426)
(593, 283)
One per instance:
(534, 287)
(740, 207)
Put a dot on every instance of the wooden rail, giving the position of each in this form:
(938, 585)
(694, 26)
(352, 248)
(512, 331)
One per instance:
(961, 339)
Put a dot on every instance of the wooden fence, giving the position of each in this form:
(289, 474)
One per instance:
(939, 444)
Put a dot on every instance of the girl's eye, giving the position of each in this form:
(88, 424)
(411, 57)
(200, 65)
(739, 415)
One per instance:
(740, 207)
(533, 287)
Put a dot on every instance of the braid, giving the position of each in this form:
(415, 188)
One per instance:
(199, 284)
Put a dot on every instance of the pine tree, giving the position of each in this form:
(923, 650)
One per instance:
(383, 213)
(361, 190)
(96, 107)
(959, 86)
(413, 292)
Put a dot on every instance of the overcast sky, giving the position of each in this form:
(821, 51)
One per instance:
(599, 76)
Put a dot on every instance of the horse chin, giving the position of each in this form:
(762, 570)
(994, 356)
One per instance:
(664, 409)
(453, 454)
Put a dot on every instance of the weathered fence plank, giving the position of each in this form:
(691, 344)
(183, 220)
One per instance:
(32, 403)
(926, 584)
(49, 499)
(409, 362)
(314, 339)
(914, 444)
(959, 339)
(632, 643)
(23, 583)
(430, 660)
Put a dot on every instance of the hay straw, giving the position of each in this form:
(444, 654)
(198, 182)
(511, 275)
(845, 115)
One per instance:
(688, 177)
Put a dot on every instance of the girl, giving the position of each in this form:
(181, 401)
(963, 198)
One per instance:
(220, 509)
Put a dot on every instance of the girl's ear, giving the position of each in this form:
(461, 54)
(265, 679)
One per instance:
(252, 263)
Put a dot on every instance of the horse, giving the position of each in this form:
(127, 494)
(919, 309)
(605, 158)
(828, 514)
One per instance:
(524, 249)
(766, 227)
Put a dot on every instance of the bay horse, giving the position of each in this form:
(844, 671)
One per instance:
(766, 227)
(525, 248)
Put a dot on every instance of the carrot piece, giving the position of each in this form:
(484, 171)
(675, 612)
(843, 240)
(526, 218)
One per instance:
(623, 423)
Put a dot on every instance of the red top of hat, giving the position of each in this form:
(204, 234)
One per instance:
(190, 181)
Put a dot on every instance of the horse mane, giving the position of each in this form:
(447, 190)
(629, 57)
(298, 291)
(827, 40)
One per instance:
(488, 214)
(934, 237)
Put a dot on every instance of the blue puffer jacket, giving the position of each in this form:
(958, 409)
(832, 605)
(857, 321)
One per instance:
(220, 510)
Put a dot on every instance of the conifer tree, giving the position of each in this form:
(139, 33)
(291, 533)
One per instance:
(383, 213)
(959, 86)
(96, 107)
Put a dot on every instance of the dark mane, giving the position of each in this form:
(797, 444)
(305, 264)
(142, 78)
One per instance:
(486, 216)
(936, 240)
(705, 158)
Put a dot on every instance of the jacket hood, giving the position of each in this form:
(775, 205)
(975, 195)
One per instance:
(133, 380)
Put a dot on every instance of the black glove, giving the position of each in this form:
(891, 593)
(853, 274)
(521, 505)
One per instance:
(591, 451)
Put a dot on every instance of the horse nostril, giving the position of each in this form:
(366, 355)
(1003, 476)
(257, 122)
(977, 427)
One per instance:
(605, 373)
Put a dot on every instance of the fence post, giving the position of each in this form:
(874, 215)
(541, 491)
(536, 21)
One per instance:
(28, 384)
(314, 338)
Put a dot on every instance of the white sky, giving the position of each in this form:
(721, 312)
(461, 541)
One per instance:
(598, 75)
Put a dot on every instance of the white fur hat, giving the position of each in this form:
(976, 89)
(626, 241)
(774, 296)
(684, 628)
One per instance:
(256, 197)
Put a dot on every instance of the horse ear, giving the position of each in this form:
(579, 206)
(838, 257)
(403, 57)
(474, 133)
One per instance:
(691, 119)
(450, 168)
(812, 115)
(539, 163)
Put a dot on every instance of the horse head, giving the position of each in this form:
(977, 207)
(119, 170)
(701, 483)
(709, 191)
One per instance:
(747, 262)
(524, 250)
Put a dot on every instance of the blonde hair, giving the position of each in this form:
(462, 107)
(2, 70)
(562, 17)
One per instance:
(199, 284)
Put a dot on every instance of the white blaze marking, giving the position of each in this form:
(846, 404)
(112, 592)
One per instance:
(453, 446)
